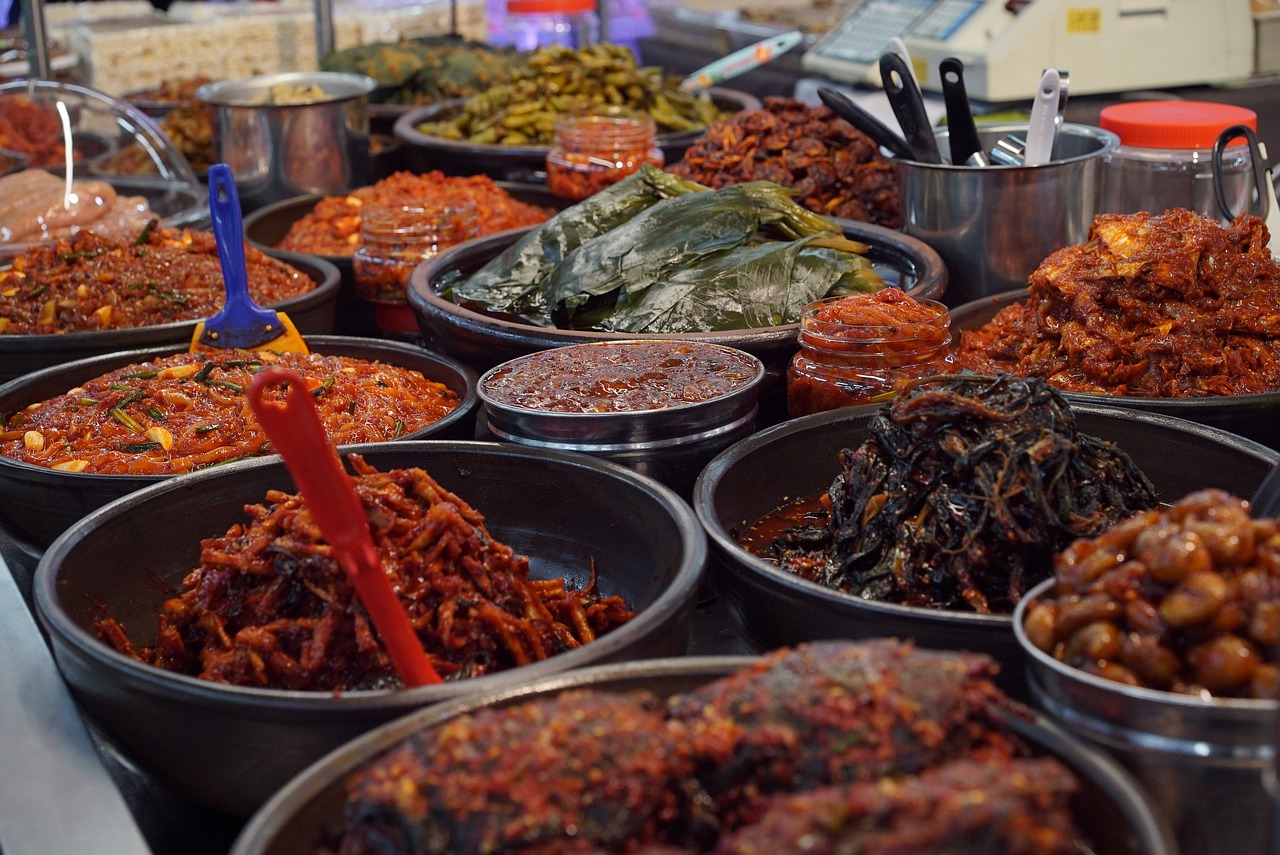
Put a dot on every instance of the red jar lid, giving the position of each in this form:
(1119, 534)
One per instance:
(1173, 124)
(550, 7)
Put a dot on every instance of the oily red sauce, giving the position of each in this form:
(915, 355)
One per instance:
(186, 411)
(758, 537)
(332, 227)
(87, 282)
(620, 377)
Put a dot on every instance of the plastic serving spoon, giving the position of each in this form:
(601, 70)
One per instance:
(295, 430)
(241, 323)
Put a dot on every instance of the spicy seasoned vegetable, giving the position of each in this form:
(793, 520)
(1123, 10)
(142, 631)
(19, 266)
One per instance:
(269, 606)
(1182, 599)
(421, 72)
(966, 489)
(1158, 305)
(657, 254)
(186, 411)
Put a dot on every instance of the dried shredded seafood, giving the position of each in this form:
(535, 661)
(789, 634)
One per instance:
(270, 607)
(1163, 305)
(836, 170)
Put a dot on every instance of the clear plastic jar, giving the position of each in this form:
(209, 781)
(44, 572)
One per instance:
(531, 24)
(855, 349)
(588, 153)
(395, 239)
(1165, 157)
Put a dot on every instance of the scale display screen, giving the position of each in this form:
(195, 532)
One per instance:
(857, 42)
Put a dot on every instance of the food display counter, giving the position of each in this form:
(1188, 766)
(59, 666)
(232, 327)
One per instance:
(685, 532)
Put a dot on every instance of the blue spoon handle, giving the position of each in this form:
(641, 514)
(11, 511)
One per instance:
(239, 312)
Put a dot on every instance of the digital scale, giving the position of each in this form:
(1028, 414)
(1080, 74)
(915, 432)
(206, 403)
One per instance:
(1106, 45)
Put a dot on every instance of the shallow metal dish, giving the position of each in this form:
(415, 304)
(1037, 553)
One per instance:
(266, 227)
(424, 152)
(799, 458)
(312, 313)
(483, 340)
(1254, 416)
(1207, 763)
(1109, 808)
(37, 504)
(230, 747)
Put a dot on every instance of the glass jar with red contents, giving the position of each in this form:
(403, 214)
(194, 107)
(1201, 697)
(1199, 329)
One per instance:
(395, 239)
(590, 152)
(855, 349)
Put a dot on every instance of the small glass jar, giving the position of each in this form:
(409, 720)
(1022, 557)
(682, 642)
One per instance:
(1165, 157)
(856, 349)
(590, 152)
(395, 239)
(532, 24)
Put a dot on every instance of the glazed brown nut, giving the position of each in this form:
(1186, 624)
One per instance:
(1184, 599)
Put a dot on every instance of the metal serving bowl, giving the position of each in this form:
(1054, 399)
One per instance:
(266, 227)
(424, 152)
(482, 340)
(1208, 764)
(1109, 809)
(670, 443)
(231, 747)
(799, 458)
(312, 313)
(1254, 416)
(37, 504)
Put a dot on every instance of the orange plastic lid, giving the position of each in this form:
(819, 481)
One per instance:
(550, 7)
(1173, 124)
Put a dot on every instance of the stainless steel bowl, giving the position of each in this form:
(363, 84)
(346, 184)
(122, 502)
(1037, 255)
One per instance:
(231, 747)
(1252, 416)
(1109, 809)
(1207, 764)
(799, 458)
(277, 151)
(671, 444)
(37, 504)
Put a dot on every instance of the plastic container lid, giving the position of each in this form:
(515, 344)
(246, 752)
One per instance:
(1173, 124)
(550, 7)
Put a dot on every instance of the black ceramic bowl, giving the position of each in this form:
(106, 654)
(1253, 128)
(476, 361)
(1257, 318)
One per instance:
(1109, 808)
(266, 227)
(483, 340)
(37, 504)
(424, 152)
(312, 313)
(1254, 416)
(799, 458)
(231, 747)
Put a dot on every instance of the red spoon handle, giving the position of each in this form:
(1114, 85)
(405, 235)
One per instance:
(295, 430)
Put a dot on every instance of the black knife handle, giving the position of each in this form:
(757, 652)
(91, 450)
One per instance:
(961, 130)
(865, 122)
(908, 106)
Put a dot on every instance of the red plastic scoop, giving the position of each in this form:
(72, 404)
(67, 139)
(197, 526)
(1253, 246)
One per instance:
(294, 429)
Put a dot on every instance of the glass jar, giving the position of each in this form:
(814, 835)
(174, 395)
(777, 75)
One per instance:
(590, 152)
(1165, 157)
(856, 349)
(395, 239)
(532, 24)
